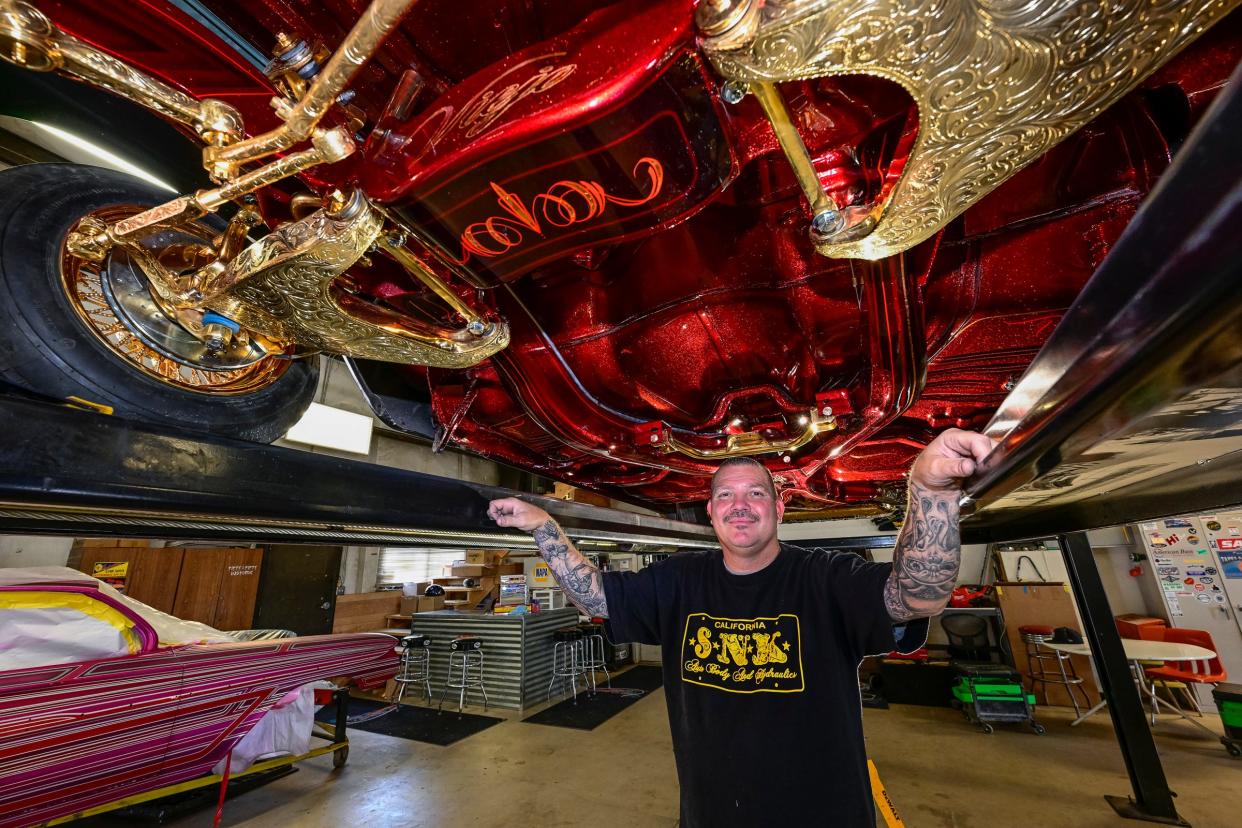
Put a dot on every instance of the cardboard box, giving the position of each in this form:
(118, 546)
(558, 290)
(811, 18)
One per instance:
(472, 570)
(430, 604)
(485, 556)
(564, 491)
(409, 606)
(517, 568)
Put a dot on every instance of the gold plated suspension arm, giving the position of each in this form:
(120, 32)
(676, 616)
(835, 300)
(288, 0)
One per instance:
(285, 286)
(748, 443)
(380, 18)
(997, 83)
(91, 240)
(28, 39)
(394, 245)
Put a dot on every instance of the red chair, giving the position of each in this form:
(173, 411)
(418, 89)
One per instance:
(1209, 671)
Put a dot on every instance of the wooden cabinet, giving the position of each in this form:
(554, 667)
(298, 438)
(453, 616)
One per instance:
(219, 587)
(152, 574)
(215, 585)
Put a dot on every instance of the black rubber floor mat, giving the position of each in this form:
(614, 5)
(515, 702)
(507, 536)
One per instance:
(641, 678)
(591, 711)
(422, 724)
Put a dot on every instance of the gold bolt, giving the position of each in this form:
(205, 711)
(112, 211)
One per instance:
(336, 201)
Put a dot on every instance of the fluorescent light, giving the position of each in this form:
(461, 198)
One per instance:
(334, 428)
(109, 159)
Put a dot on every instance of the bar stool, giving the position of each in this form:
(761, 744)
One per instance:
(567, 659)
(593, 652)
(466, 658)
(415, 665)
(1034, 636)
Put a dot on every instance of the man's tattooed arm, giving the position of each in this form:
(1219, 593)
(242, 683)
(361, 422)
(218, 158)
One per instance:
(927, 555)
(580, 580)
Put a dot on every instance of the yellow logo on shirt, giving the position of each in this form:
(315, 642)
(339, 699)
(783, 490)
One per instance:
(743, 655)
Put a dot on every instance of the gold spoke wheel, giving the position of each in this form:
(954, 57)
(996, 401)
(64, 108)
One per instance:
(115, 305)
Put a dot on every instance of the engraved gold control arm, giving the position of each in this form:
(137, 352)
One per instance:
(380, 18)
(92, 242)
(751, 442)
(28, 39)
(393, 245)
(997, 83)
(285, 286)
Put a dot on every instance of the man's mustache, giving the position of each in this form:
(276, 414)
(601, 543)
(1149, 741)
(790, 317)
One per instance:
(741, 513)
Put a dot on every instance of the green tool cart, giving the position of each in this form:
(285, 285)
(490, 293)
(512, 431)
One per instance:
(990, 693)
(1229, 702)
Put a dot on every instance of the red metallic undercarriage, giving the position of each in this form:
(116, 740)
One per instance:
(647, 243)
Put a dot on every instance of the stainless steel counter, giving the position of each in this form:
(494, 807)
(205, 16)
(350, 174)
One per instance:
(517, 653)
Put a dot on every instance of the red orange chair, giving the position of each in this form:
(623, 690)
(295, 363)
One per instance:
(1208, 671)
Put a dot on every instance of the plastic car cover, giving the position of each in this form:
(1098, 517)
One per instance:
(40, 628)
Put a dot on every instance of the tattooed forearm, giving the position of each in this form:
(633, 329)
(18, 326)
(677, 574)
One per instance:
(926, 557)
(580, 580)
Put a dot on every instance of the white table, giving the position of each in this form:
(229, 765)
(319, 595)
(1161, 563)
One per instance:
(1138, 650)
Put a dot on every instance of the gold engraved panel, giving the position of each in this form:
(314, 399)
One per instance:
(997, 82)
(281, 286)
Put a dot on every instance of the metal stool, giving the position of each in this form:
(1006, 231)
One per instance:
(567, 658)
(1034, 635)
(415, 665)
(465, 657)
(593, 653)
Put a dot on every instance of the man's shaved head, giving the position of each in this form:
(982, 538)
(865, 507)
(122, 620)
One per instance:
(734, 462)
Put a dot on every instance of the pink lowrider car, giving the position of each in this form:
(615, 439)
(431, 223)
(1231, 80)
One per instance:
(78, 733)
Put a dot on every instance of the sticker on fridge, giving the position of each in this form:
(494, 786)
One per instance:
(1231, 564)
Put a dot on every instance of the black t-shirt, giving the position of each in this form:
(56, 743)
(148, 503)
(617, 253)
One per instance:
(761, 677)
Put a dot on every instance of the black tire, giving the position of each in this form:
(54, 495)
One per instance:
(340, 757)
(45, 347)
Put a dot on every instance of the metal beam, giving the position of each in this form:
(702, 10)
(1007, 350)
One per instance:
(66, 471)
(1152, 800)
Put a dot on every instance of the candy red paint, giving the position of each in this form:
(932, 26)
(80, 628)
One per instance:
(698, 304)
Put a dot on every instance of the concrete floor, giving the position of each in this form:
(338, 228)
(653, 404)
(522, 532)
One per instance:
(939, 771)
